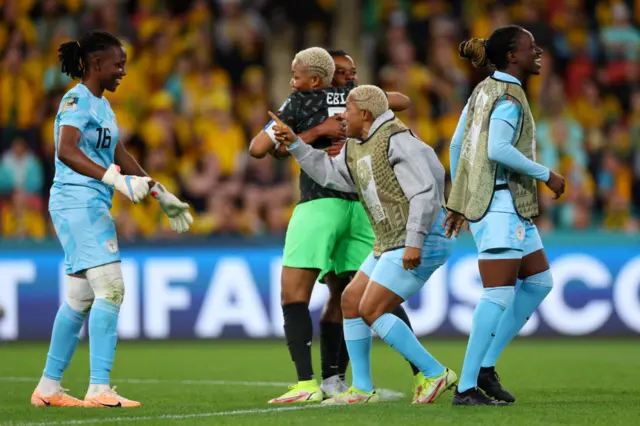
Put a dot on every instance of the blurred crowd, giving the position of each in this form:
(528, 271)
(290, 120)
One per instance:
(586, 102)
(197, 89)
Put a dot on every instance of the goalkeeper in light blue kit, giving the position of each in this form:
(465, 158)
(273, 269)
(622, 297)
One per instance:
(87, 151)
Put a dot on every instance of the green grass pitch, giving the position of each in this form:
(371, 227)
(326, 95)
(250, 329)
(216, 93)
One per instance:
(556, 382)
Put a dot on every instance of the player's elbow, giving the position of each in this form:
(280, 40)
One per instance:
(493, 152)
(399, 102)
(254, 149)
(64, 154)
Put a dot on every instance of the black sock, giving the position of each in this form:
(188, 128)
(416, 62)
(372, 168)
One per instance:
(330, 343)
(299, 333)
(343, 359)
(402, 314)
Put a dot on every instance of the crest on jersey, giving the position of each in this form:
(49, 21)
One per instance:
(70, 104)
(112, 246)
(520, 233)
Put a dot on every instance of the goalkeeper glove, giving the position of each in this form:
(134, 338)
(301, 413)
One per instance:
(134, 188)
(177, 211)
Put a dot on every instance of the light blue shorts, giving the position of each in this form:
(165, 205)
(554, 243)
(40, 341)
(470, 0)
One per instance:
(501, 235)
(88, 238)
(388, 271)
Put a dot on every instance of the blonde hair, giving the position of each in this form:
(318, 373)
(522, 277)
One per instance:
(475, 50)
(317, 62)
(370, 98)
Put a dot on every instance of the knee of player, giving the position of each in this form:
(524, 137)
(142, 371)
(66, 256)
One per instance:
(80, 295)
(542, 281)
(107, 282)
(369, 312)
(350, 302)
(334, 303)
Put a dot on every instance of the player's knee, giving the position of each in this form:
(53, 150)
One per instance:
(542, 281)
(369, 312)
(107, 282)
(349, 302)
(297, 286)
(79, 294)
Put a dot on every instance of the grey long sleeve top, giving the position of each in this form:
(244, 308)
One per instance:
(416, 166)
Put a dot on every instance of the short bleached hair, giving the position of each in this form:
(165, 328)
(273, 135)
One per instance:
(317, 62)
(370, 98)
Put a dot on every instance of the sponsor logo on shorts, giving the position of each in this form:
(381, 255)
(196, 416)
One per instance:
(112, 246)
(520, 233)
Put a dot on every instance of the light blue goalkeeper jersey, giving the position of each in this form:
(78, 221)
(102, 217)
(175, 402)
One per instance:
(97, 122)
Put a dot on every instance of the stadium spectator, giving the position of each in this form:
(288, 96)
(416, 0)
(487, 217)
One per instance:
(198, 85)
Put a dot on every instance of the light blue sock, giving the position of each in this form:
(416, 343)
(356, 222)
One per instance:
(528, 297)
(357, 336)
(400, 337)
(103, 337)
(483, 327)
(64, 340)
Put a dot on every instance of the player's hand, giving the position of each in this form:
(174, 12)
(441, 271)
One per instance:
(556, 184)
(333, 127)
(334, 149)
(134, 188)
(453, 223)
(411, 258)
(283, 133)
(177, 211)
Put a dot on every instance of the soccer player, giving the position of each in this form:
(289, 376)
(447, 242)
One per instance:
(325, 225)
(494, 187)
(87, 151)
(344, 73)
(400, 182)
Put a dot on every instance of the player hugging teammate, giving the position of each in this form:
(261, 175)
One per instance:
(400, 182)
(329, 234)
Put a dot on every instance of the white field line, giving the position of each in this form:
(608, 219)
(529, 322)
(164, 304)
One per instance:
(385, 395)
(170, 416)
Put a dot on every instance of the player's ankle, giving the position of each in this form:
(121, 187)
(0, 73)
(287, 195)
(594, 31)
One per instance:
(97, 389)
(48, 386)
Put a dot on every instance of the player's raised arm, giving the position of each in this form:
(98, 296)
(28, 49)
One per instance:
(328, 172)
(398, 101)
(265, 142)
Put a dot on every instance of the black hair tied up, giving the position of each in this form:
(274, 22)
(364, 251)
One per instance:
(493, 50)
(73, 54)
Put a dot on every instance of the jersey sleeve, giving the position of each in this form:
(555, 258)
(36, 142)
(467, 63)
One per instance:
(288, 113)
(502, 134)
(507, 109)
(74, 111)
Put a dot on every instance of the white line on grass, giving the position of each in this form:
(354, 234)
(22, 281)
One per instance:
(385, 394)
(171, 416)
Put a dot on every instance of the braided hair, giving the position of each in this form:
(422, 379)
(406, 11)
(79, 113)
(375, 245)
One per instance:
(73, 54)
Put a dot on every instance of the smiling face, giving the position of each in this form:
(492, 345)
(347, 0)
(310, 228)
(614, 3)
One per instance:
(527, 56)
(345, 71)
(111, 67)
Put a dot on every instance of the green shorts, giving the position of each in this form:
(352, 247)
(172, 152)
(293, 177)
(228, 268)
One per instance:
(329, 234)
